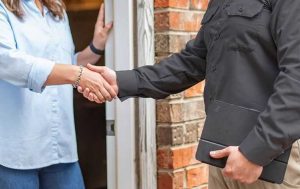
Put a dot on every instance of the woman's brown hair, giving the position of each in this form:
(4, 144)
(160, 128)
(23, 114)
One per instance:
(56, 7)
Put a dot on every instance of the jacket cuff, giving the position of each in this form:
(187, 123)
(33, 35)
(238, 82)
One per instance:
(256, 150)
(127, 83)
(39, 74)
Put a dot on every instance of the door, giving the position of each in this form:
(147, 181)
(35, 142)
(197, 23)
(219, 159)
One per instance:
(90, 118)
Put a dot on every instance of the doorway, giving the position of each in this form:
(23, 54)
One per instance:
(90, 118)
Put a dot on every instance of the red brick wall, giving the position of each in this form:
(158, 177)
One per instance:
(181, 116)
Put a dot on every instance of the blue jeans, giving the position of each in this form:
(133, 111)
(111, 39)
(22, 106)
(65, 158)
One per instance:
(60, 176)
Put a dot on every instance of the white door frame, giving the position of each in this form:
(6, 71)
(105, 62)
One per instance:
(146, 151)
(130, 167)
(119, 56)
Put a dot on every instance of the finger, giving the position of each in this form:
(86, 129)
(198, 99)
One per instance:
(100, 18)
(91, 97)
(227, 171)
(96, 99)
(86, 93)
(79, 89)
(99, 95)
(220, 153)
(99, 69)
(105, 93)
(109, 89)
(108, 27)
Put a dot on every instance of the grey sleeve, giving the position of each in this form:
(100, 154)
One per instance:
(172, 75)
(279, 124)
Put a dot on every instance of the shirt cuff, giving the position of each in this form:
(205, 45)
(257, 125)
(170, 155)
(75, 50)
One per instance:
(256, 150)
(39, 74)
(127, 83)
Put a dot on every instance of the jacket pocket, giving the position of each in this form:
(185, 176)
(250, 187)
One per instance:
(211, 11)
(248, 8)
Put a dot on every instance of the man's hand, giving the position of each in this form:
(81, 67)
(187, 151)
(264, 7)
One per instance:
(101, 90)
(238, 167)
(109, 76)
(101, 30)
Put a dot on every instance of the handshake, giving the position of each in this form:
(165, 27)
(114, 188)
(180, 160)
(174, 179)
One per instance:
(98, 84)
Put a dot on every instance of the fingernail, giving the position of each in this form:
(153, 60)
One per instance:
(213, 153)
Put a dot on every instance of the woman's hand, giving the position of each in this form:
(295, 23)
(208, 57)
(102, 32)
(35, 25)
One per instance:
(108, 75)
(98, 86)
(101, 30)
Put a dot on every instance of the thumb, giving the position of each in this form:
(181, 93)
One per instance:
(99, 69)
(220, 153)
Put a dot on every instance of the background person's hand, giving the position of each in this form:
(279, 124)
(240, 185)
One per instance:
(101, 30)
(108, 74)
(99, 88)
(238, 167)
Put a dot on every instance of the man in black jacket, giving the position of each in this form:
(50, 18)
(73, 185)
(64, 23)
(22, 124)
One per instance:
(248, 51)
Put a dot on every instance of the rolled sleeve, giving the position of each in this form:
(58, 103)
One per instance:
(39, 74)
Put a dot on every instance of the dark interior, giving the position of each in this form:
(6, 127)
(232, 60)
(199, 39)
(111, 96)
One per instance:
(89, 117)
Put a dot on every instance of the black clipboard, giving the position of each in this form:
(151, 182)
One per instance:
(228, 125)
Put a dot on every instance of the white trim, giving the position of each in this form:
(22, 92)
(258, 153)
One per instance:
(122, 47)
(110, 106)
(147, 119)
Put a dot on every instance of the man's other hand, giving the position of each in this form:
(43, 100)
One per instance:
(238, 167)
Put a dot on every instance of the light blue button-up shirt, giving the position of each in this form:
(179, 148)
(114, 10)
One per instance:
(36, 123)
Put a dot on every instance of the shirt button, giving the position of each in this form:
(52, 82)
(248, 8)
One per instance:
(241, 9)
(217, 36)
(226, 5)
(214, 69)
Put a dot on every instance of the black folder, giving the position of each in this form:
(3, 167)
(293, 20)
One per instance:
(228, 125)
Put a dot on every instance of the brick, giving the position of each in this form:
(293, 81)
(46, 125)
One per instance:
(170, 135)
(178, 21)
(170, 43)
(199, 4)
(171, 180)
(182, 4)
(196, 90)
(197, 176)
(169, 113)
(194, 110)
(191, 132)
(164, 160)
(176, 157)
(184, 156)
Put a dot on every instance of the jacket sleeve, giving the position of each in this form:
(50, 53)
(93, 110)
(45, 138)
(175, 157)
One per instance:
(17, 67)
(278, 125)
(172, 75)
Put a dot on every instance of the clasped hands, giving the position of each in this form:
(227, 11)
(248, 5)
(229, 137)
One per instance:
(98, 84)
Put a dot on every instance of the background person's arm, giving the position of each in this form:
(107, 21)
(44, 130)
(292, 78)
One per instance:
(99, 40)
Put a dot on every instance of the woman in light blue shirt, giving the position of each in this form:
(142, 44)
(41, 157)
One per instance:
(37, 135)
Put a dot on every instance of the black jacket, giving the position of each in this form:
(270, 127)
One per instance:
(249, 53)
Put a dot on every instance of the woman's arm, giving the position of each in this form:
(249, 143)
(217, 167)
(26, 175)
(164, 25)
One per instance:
(23, 70)
(70, 74)
(99, 40)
